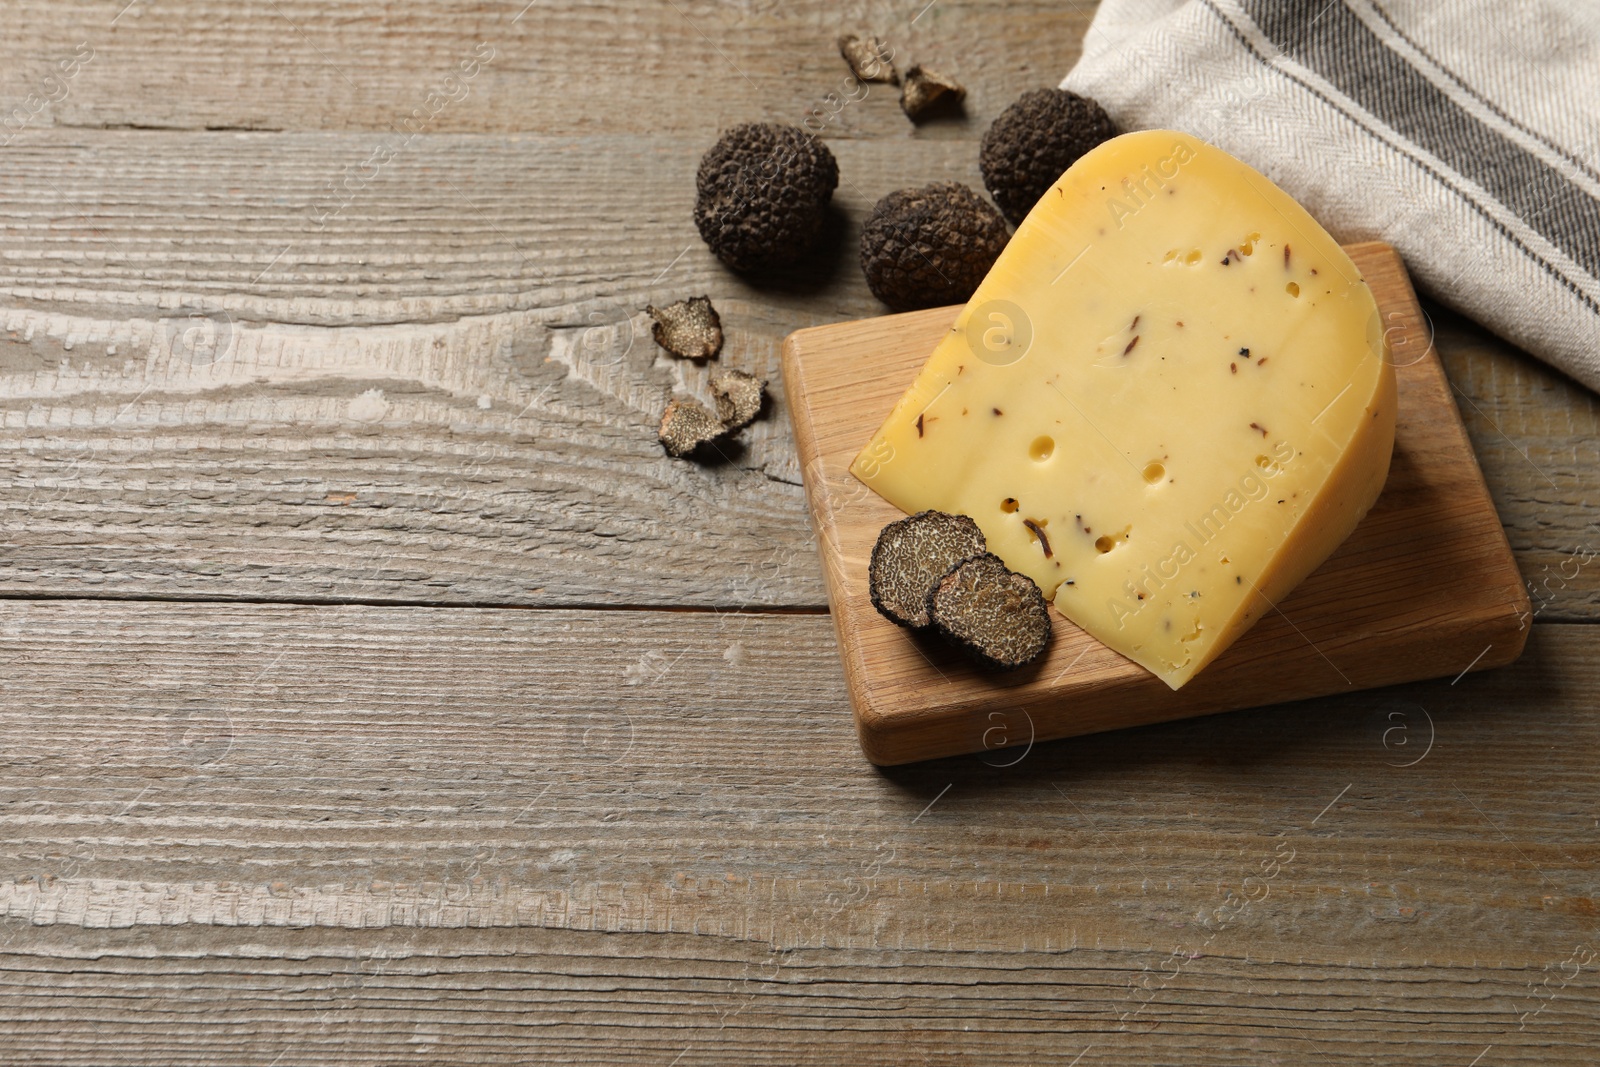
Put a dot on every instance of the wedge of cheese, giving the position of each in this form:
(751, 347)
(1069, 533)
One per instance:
(1167, 403)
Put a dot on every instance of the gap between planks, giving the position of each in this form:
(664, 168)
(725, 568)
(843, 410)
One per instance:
(378, 602)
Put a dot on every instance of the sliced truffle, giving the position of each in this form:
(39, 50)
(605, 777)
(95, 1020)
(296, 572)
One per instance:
(869, 59)
(763, 193)
(686, 425)
(923, 248)
(1033, 141)
(911, 556)
(689, 329)
(739, 396)
(926, 90)
(997, 616)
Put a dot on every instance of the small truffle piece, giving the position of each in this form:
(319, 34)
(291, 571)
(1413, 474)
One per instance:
(926, 90)
(762, 194)
(911, 556)
(689, 329)
(686, 425)
(869, 58)
(997, 616)
(1034, 141)
(923, 248)
(739, 396)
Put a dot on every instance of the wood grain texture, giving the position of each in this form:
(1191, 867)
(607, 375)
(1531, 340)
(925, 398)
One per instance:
(1537, 435)
(510, 997)
(265, 834)
(484, 267)
(355, 831)
(466, 413)
(592, 66)
(1425, 586)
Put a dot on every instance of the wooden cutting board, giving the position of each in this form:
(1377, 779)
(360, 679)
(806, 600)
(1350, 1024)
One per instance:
(1425, 587)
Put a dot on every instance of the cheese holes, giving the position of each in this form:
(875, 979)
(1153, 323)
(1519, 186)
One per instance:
(1009, 505)
(1293, 289)
(1106, 542)
(1043, 448)
(1154, 472)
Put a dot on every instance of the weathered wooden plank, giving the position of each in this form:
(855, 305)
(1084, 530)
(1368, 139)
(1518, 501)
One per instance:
(355, 785)
(496, 996)
(633, 771)
(498, 450)
(341, 447)
(1537, 436)
(560, 491)
(465, 66)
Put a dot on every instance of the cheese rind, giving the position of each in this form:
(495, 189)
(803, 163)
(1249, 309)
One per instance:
(1167, 403)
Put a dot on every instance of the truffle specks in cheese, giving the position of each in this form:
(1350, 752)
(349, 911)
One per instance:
(1188, 405)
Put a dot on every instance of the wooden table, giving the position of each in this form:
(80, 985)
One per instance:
(378, 693)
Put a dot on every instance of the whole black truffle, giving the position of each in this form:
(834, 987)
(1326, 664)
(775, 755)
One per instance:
(1033, 141)
(922, 248)
(763, 192)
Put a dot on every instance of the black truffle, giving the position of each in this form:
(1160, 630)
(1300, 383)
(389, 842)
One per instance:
(923, 248)
(689, 329)
(869, 59)
(686, 425)
(911, 556)
(997, 616)
(763, 193)
(926, 91)
(739, 396)
(1033, 141)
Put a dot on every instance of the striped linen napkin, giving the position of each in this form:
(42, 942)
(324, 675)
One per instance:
(1464, 132)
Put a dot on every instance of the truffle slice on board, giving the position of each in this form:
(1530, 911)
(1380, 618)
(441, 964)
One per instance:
(911, 556)
(995, 615)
